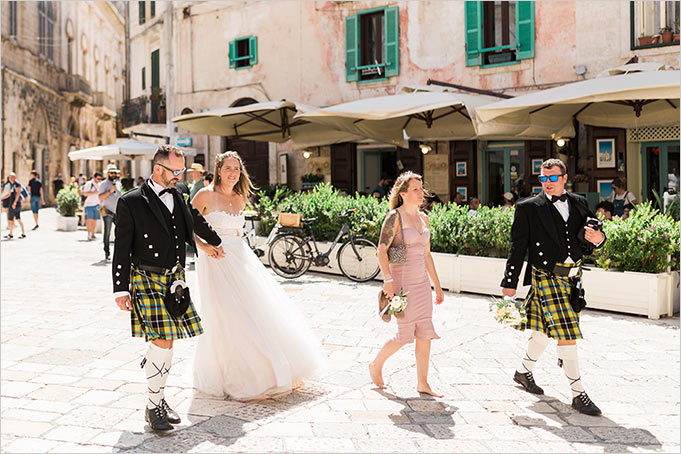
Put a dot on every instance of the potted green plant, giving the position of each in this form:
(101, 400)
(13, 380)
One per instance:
(647, 40)
(667, 34)
(67, 201)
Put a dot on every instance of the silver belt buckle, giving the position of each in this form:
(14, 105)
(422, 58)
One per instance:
(573, 271)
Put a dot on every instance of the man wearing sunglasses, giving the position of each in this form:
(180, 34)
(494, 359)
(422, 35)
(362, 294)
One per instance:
(153, 224)
(551, 229)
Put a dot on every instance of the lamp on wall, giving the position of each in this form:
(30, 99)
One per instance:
(425, 148)
(560, 142)
(306, 154)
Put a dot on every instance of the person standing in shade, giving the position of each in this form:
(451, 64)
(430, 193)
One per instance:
(551, 226)
(153, 224)
(35, 187)
(620, 196)
(195, 173)
(91, 204)
(109, 193)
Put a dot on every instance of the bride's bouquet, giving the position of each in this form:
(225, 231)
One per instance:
(509, 311)
(397, 304)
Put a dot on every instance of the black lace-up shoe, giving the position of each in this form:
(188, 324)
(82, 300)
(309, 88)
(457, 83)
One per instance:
(171, 415)
(583, 404)
(527, 381)
(157, 419)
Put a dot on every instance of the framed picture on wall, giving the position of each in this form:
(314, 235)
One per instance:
(604, 188)
(461, 169)
(536, 190)
(605, 153)
(536, 166)
(463, 190)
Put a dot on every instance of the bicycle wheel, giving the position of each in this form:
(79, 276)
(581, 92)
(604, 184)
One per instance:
(358, 260)
(289, 256)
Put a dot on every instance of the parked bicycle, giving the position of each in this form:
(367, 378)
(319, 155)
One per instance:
(293, 250)
(250, 236)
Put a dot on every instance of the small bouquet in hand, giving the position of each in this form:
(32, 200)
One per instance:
(397, 304)
(509, 311)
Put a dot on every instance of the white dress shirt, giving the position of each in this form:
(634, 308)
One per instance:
(166, 198)
(564, 211)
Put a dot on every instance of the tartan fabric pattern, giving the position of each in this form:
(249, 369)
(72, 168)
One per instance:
(149, 317)
(548, 308)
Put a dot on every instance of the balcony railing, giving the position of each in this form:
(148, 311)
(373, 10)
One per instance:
(101, 99)
(141, 110)
(76, 86)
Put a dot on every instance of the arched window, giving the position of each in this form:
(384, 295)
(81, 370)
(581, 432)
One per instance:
(186, 111)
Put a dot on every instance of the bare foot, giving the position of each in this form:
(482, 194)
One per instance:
(376, 376)
(425, 389)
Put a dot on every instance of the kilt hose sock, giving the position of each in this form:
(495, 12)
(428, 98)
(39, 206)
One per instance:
(535, 347)
(567, 358)
(156, 366)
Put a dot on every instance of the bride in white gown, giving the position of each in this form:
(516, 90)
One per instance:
(256, 343)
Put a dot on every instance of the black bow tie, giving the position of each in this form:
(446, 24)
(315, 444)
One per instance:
(562, 198)
(170, 190)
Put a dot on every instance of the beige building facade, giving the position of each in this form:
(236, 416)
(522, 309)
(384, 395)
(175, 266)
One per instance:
(220, 54)
(62, 83)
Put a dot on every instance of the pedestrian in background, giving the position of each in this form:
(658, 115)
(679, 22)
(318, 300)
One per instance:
(109, 193)
(509, 201)
(208, 179)
(57, 185)
(473, 205)
(620, 196)
(37, 196)
(605, 209)
(91, 204)
(195, 174)
(139, 182)
(11, 199)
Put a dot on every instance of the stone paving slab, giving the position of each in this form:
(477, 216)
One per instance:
(71, 382)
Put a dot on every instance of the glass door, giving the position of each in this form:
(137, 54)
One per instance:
(377, 165)
(660, 169)
(503, 171)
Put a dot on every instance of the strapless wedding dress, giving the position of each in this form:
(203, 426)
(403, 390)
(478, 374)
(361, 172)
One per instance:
(255, 342)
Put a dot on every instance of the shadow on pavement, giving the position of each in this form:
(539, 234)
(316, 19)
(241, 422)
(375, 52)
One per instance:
(231, 420)
(596, 431)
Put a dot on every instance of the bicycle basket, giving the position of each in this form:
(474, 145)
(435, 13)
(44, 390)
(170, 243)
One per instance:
(289, 219)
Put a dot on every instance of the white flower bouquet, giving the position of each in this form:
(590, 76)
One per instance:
(397, 304)
(509, 311)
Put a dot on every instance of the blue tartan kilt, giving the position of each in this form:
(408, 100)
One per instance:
(548, 308)
(149, 317)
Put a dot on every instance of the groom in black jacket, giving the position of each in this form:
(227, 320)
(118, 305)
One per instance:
(551, 229)
(153, 224)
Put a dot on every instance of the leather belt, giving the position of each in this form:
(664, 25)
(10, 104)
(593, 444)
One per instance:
(565, 271)
(156, 269)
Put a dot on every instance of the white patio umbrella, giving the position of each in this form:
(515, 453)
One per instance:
(421, 115)
(637, 99)
(126, 149)
(265, 121)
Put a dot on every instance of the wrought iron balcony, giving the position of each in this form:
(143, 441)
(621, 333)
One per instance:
(76, 89)
(142, 110)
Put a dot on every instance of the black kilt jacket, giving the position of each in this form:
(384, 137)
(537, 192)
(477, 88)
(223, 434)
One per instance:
(143, 234)
(541, 235)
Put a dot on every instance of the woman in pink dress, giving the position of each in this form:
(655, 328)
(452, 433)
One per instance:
(406, 224)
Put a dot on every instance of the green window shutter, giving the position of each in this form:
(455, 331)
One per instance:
(525, 30)
(253, 49)
(473, 18)
(351, 49)
(232, 54)
(392, 41)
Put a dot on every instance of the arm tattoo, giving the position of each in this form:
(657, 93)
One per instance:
(388, 230)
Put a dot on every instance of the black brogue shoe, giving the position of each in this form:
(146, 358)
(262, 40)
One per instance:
(171, 415)
(583, 404)
(157, 419)
(527, 382)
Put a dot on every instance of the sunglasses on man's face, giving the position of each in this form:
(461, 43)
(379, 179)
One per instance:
(175, 173)
(551, 178)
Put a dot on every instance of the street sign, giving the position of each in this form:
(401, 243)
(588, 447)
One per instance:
(184, 141)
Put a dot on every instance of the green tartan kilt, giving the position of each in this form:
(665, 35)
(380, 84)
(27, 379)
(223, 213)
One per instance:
(149, 317)
(548, 308)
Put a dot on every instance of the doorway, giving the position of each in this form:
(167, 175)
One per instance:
(503, 171)
(659, 169)
(377, 164)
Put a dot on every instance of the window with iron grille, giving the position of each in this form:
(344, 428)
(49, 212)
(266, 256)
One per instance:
(13, 19)
(654, 24)
(499, 32)
(46, 29)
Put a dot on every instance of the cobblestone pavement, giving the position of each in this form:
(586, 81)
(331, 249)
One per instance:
(71, 379)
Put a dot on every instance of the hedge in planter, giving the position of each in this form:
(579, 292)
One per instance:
(68, 201)
(646, 241)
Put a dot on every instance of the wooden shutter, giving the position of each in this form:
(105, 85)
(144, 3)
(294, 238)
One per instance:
(255, 156)
(411, 158)
(392, 41)
(351, 48)
(232, 54)
(344, 167)
(525, 30)
(473, 19)
(253, 50)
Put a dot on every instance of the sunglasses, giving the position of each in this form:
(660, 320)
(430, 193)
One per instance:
(551, 178)
(175, 173)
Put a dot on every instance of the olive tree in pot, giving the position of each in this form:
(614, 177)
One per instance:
(67, 201)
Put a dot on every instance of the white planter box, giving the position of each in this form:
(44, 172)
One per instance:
(67, 223)
(483, 275)
(633, 293)
(446, 267)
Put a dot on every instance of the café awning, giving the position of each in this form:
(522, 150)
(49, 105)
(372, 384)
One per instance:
(632, 100)
(265, 121)
(126, 149)
(421, 116)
